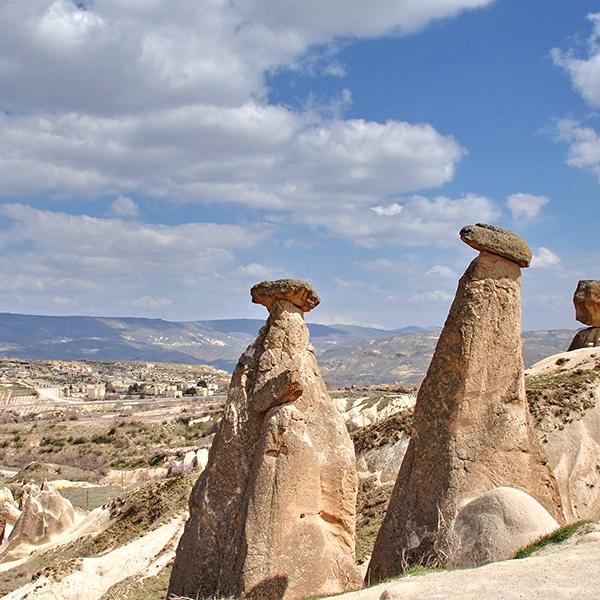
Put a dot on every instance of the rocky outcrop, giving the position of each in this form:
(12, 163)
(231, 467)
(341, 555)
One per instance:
(587, 302)
(495, 525)
(586, 338)
(564, 398)
(9, 513)
(44, 515)
(273, 514)
(587, 311)
(471, 429)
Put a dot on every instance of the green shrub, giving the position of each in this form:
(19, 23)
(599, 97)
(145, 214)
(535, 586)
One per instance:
(556, 537)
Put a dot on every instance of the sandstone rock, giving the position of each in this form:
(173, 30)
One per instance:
(273, 514)
(190, 461)
(471, 429)
(9, 513)
(299, 293)
(497, 241)
(567, 421)
(45, 514)
(587, 302)
(495, 525)
(586, 338)
(202, 458)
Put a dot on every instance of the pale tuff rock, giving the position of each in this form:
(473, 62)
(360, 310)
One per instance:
(587, 302)
(273, 514)
(586, 338)
(9, 513)
(568, 425)
(497, 241)
(587, 311)
(471, 423)
(495, 525)
(45, 515)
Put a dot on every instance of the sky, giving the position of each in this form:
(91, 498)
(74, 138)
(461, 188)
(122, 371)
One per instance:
(159, 157)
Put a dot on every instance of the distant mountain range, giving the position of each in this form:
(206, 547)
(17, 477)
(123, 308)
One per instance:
(348, 354)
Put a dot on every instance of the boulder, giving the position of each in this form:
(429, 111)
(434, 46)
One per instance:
(190, 461)
(587, 302)
(471, 430)
(273, 514)
(488, 238)
(495, 525)
(299, 293)
(202, 458)
(586, 338)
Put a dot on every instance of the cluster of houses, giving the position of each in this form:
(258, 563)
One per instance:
(23, 381)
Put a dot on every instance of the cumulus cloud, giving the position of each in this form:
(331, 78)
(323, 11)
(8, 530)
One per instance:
(544, 258)
(526, 207)
(175, 106)
(50, 253)
(422, 221)
(441, 271)
(432, 296)
(168, 99)
(584, 71)
(125, 207)
(584, 145)
(164, 53)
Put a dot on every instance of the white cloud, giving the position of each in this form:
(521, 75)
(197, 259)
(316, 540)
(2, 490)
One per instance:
(175, 108)
(526, 207)
(584, 72)
(125, 207)
(151, 302)
(261, 156)
(442, 271)
(433, 296)
(544, 258)
(46, 253)
(258, 271)
(422, 221)
(389, 211)
(155, 54)
(584, 145)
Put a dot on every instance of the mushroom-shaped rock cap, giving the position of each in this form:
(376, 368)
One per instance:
(497, 241)
(587, 302)
(298, 292)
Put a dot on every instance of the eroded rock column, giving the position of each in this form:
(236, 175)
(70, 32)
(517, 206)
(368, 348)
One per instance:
(587, 311)
(471, 423)
(273, 513)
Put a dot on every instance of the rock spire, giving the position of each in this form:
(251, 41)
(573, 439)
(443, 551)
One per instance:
(273, 514)
(471, 423)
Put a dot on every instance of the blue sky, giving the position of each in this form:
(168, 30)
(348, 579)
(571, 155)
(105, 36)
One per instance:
(159, 157)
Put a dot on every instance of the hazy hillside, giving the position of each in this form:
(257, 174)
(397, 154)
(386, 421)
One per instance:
(218, 342)
(405, 358)
(349, 354)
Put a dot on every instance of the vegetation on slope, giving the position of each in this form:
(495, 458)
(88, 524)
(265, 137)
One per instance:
(555, 537)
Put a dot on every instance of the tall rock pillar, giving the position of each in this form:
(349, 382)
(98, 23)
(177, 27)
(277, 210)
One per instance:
(471, 424)
(273, 514)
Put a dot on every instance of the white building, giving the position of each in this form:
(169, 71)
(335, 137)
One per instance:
(96, 391)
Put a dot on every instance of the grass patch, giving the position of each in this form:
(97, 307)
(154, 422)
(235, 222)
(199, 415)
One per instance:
(556, 537)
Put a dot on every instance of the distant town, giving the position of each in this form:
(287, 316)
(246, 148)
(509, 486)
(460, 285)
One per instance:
(31, 381)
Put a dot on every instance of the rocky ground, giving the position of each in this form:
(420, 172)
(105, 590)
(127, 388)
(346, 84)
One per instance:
(133, 516)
